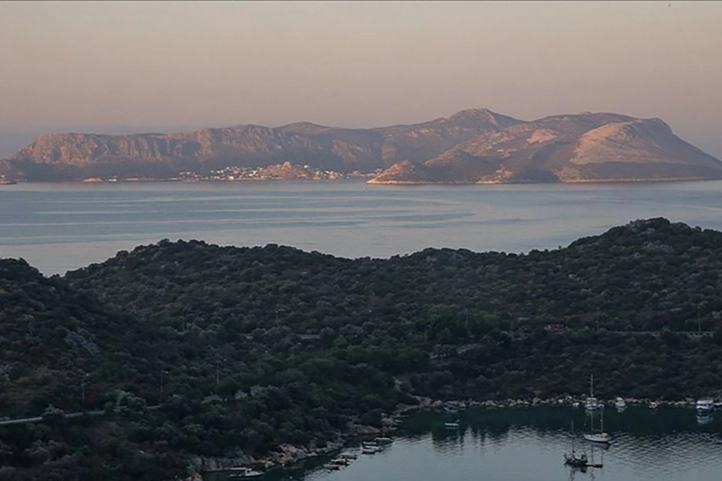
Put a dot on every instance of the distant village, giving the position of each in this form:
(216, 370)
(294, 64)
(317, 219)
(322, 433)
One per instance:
(285, 171)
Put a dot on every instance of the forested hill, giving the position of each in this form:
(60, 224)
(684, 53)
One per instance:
(647, 275)
(245, 349)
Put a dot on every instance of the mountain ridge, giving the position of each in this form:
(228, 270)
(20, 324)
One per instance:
(470, 146)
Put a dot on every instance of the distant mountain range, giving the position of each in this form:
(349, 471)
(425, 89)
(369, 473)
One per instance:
(472, 146)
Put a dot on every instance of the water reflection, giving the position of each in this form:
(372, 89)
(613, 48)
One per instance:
(704, 419)
(528, 444)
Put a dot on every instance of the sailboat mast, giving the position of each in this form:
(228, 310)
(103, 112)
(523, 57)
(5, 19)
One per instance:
(591, 387)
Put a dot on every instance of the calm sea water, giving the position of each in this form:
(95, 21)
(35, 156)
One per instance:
(57, 227)
(528, 445)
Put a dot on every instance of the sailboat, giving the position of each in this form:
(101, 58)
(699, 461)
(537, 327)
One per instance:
(592, 403)
(599, 437)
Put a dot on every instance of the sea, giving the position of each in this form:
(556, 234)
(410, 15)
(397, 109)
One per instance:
(528, 444)
(58, 227)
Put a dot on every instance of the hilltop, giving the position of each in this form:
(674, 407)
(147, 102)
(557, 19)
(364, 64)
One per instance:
(471, 146)
(197, 354)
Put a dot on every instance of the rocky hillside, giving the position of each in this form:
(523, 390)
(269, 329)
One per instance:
(570, 148)
(472, 146)
(77, 156)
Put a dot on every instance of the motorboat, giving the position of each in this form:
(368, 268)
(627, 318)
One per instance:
(383, 440)
(370, 448)
(349, 456)
(451, 407)
(620, 404)
(452, 425)
(653, 405)
(704, 405)
(243, 472)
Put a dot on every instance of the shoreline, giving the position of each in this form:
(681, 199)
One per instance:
(289, 455)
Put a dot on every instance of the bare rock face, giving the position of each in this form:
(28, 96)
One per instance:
(587, 147)
(472, 146)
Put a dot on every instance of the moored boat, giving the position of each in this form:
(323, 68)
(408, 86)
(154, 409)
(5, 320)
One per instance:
(576, 461)
(242, 472)
(704, 405)
(599, 437)
(620, 404)
(370, 447)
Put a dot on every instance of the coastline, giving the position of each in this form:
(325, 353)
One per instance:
(289, 455)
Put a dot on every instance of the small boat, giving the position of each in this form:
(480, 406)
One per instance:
(653, 405)
(576, 461)
(576, 404)
(620, 404)
(599, 437)
(451, 408)
(452, 425)
(383, 440)
(332, 466)
(242, 472)
(349, 456)
(369, 449)
(704, 405)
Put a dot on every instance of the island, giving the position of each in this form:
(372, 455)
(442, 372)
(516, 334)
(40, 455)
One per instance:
(475, 146)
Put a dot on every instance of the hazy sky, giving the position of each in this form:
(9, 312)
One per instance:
(101, 66)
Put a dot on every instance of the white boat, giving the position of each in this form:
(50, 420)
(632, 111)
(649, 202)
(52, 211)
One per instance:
(369, 448)
(704, 405)
(599, 437)
(242, 472)
(383, 440)
(620, 404)
(653, 405)
(349, 456)
(592, 403)
(452, 425)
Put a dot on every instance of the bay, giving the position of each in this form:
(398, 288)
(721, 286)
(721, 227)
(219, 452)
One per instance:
(62, 226)
(671, 444)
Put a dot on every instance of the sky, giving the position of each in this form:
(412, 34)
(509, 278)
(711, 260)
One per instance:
(119, 67)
